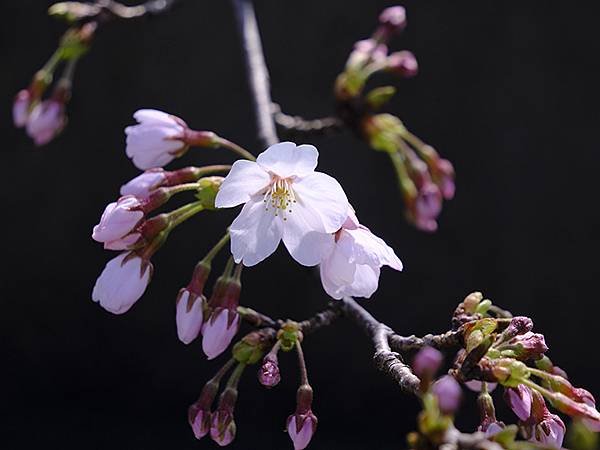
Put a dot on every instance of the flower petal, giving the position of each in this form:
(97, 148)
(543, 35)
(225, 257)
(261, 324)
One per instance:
(245, 179)
(255, 233)
(372, 250)
(366, 281)
(285, 159)
(337, 273)
(153, 116)
(306, 245)
(324, 195)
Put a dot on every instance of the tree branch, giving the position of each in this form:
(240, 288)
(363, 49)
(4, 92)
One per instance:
(299, 126)
(258, 76)
(322, 319)
(451, 340)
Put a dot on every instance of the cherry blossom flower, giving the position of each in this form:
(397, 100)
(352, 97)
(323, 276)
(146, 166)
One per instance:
(122, 282)
(118, 220)
(45, 121)
(354, 261)
(156, 140)
(219, 330)
(143, 184)
(284, 199)
(21, 107)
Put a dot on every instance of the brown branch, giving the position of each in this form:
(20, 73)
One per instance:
(322, 319)
(451, 340)
(385, 359)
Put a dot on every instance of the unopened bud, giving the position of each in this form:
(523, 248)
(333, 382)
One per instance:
(301, 428)
(403, 64)
(519, 399)
(268, 374)
(448, 394)
(208, 187)
(251, 348)
(427, 362)
(393, 19)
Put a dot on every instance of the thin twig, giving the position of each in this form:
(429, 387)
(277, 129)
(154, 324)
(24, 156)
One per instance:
(322, 319)
(299, 126)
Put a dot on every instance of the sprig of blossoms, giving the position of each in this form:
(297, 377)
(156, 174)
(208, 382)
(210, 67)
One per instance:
(425, 179)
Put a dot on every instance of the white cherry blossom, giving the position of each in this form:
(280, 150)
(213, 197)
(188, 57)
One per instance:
(353, 265)
(284, 199)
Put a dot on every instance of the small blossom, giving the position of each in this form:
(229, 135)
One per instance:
(542, 426)
(21, 106)
(448, 394)
(122, 282)
(301, 428)
(118, 219)
(219, 331)
(46, 120)
(365, 51)
(156, 140)
(284, 199)
(353, 263)
(519, 399)
(189, 315)
(427, 362)
(403, 64)
(143, 184)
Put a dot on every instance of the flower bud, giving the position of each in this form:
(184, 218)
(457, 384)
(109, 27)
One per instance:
(519, 399)
(393, 19)
(477, 386)
(268, 374)
(448, 394)
(403, 64)
(542, 426)
(427, 207)
(223, 429)
(122, 282)
(301, 427)
(365, 51)
(526, 346)
(444, 178)
(518, 325)
(189, 315)
(199, 415)
(489, 424)
(46, 121)
(427, 362)
(118, 219)
(21, 106)
(143, 184)
(156, 140)
(251, 348)
(219, 330)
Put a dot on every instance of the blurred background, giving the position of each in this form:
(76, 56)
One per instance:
(507, 91)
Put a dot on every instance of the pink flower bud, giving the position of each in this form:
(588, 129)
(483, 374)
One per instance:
(519, 399)
(403, 64)
(189, 315)
(268, 374)
(445, 178)
(200, 420)
(222, 429)
(427, 207)
(365, 51)
(122, 282)
(301, 428)
(156, 140)
(448, 394)
(118, 219)
(46, 120)
(219, 330)
(143, 184)
(21, 106)
(393, 18)
(427, 362)
(529, 346)
(550, 431)
(492, 428)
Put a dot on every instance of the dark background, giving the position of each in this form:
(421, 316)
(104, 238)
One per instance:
(507, 91)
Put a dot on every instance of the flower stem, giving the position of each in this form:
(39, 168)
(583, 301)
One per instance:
(236, 148)
(234, 379)
(50, 66)
(180, 215)
(216, 249)
(406, 184)
(222, 371)
(301, 364)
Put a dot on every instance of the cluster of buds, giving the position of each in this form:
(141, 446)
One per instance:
(505, 350)
(425, 179)
(44, 118)
(126, 227)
